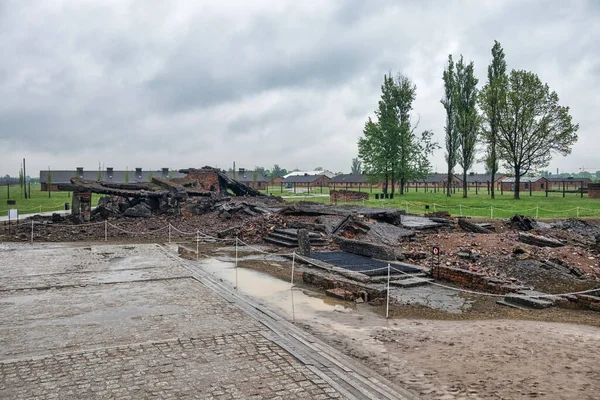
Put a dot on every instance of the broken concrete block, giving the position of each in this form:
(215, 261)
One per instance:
(304, 243)
(366, 249)
(140, 210)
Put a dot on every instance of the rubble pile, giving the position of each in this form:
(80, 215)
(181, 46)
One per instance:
(519, 252)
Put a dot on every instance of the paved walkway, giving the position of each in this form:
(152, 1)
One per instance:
(45, 213)
(136, 321)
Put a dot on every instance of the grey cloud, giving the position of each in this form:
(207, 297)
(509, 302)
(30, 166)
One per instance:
(195, 83)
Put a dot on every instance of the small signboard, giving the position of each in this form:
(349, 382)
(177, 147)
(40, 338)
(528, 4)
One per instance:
(13, 213)
(435, 254)
(435, 258)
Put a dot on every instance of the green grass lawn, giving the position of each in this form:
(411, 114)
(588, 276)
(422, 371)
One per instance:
(39, 201)
(481, 205)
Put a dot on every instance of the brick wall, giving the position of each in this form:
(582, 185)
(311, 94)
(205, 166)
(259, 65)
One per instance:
(594, 190)
(208, 180)
(471, 280)
(590, 301)
(347, 195)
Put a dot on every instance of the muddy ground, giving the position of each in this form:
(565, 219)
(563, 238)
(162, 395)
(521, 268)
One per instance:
(495, 359)
(489, 351)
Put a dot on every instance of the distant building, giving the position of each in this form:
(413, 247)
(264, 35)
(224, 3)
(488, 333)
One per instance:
(435, 181)
(482, 180)
(537, 183)
(108, 175)
(328, 174)
(248, 178)
(313, 181)
(570, 183)
(351, 181)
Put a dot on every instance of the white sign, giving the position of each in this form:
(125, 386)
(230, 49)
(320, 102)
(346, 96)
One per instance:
(13, 213)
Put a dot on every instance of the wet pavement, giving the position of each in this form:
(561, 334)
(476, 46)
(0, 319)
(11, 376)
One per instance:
(435, 297)
(293, 302)
(134, 321)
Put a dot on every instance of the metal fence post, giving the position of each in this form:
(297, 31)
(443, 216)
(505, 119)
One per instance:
(293, 266)
(169, 232)
(537, 212)
(236, 263)
(31, 231)
(197, 244)
(105, 231)
(387, 307)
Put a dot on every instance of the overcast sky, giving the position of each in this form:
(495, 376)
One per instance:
(156, 84)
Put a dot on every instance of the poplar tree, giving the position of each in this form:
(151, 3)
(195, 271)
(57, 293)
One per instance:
(490, 100)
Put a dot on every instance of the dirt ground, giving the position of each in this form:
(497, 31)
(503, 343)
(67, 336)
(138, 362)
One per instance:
(491, 359)
(489, 352)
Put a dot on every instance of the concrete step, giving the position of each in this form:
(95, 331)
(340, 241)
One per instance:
(396, 277)
(525, 301)
(279, 242)
(294, 233)
(411, 282)
(287, 242)
(512, 305)
(313, 240)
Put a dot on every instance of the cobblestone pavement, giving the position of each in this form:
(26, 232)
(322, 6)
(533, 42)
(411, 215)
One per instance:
(131, 322)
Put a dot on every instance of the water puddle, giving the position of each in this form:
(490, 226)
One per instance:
(276, 293)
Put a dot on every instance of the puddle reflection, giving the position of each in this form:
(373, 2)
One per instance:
(297, 303)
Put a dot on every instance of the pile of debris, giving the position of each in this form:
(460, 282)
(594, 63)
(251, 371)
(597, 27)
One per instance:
(196, 194)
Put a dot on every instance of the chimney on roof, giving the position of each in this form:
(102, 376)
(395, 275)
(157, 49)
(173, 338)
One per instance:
(138, 174)
(109, 172)
(242, 170)
(472, 173)
(165, 172)
(80, 172)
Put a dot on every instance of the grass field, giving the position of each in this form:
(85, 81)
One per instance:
(477, 205)
(480, 205)
(39, 201)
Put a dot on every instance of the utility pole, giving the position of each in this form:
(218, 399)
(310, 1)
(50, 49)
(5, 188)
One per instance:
(24, 178)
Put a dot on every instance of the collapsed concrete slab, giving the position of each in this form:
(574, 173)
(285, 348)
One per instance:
(200, 191)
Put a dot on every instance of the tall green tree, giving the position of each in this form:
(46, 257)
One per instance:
(532, 126)
(390, 149)
(490, 98)
(467, 118)
(356, 168)
(452, 137)
(278, 172)
(372, 152)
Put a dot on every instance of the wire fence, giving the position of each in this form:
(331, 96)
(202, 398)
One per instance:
(490, 211)
(197, 236)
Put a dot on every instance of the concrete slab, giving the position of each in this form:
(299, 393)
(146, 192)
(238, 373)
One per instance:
(136, 322)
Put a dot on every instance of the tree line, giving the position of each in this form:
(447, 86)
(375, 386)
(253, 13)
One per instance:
(514, 119)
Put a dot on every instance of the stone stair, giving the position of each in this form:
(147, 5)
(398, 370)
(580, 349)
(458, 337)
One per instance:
(403, 280)
(524, 301)
(289, 238)
(411, 281)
